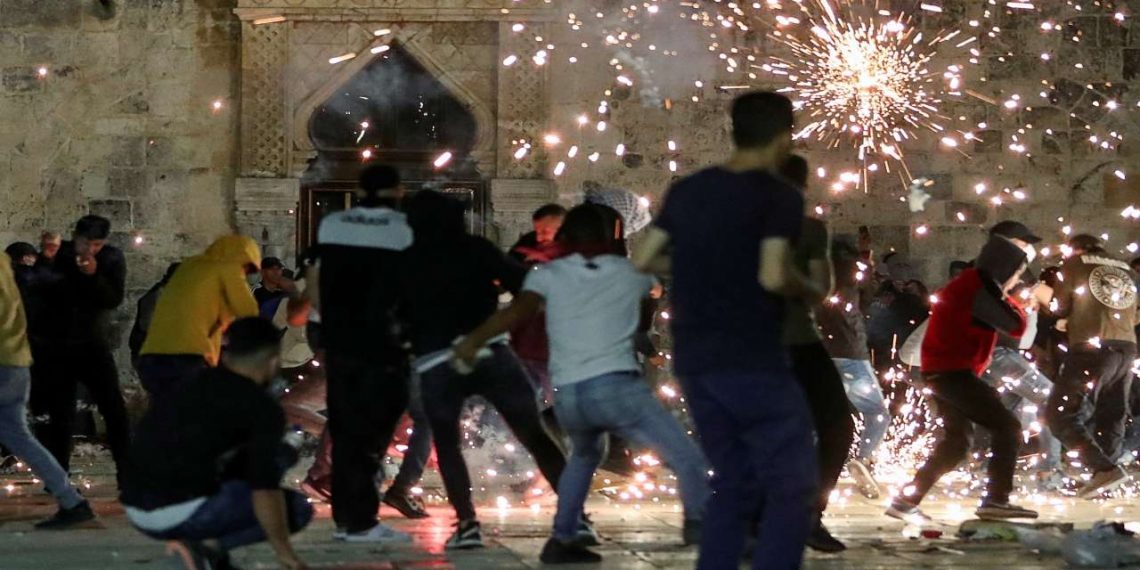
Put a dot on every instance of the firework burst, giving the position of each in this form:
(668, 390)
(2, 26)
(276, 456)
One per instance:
(866, 81)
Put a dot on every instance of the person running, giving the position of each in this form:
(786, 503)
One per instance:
(812, 365)
(960, 338)
(451, 284)
(844, 332)
(15, 382)
(730, 229)
(206, 466)
(593, 304)
(1097, 298)
(205, 294)
(356, 288)
(87, 282)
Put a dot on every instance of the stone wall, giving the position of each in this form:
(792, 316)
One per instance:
(121, 123)
(1062, 174)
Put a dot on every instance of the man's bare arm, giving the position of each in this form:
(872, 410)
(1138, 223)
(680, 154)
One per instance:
(775, 265)
(652, 255)
(269, 508)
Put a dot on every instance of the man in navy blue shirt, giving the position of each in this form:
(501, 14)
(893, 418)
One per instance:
(725, 233)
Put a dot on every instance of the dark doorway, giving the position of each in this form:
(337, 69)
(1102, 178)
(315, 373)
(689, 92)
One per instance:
(396, 112)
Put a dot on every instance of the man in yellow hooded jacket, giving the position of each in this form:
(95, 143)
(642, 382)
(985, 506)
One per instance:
(205, 295)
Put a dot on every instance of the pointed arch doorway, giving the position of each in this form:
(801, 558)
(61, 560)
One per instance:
(391, 111)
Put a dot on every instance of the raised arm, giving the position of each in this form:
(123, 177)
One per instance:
(652, 254)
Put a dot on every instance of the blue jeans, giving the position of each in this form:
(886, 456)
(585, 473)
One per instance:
(866, 395)
(1009, 369)
(621, 403)
(228, 517)
(15, 383)
(756, 430)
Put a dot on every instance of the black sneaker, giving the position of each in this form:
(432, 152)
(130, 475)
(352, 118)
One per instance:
(558, 552)
(67, 518)
(410, 506)
(468, 535)
(1001, 511)
(691, 532)
(821, 540)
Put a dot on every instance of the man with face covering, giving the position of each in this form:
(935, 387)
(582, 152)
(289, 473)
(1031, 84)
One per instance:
(204, 295)
(964, 326)
(84, 284)
(1097, 296)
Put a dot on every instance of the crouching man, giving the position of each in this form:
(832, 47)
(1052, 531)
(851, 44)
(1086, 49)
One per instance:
(206, 465)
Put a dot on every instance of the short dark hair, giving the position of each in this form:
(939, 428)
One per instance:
(377, 178)
(251, 336)
(93, 227)
(549, 211)
(795, 170)
(271, 263)
(20, 249)
(958, 265)
(1086, 242)
(759, 117)
(585, 224)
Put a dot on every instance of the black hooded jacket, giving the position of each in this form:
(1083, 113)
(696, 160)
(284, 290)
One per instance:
(451, 279)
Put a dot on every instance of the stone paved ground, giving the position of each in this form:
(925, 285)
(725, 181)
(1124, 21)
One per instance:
(634, 538)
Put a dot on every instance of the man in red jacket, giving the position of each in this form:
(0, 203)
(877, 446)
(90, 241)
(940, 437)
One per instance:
(960, 339)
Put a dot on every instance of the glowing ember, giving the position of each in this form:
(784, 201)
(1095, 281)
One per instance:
(865, 80)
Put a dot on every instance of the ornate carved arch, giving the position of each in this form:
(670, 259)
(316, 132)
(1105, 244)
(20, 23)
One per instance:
(427, 55)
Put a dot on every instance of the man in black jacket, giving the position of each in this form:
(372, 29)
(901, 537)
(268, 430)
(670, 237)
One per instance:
(86, 283)
(451, 285)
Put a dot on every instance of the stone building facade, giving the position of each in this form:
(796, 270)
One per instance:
(185, 119)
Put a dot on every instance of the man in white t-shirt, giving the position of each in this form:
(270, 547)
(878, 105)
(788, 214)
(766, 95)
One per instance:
(592, 300)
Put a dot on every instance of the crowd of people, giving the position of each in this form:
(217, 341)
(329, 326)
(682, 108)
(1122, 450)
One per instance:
(782, 336)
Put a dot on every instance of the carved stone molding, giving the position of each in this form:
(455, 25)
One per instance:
(524, 103)
(265, 151)
(514, 201)
(265, 209)
(396, 10)
(459, 55)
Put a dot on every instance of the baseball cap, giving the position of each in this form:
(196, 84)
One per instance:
(20, 249)
(1014, 230)
(271, 263)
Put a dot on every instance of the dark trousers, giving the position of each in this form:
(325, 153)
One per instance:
(56, 376)
(228, 517)
(163, 374)
(501, 380)
(415, 456)
(961, 400)
(831, 413)
(1109, 370)
(366, 398)
(755, 429)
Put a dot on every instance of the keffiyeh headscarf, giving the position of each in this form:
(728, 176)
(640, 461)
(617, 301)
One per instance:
(633, 209)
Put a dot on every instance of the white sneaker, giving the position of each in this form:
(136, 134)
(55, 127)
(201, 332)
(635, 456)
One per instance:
(380, 533)
(863, 478)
